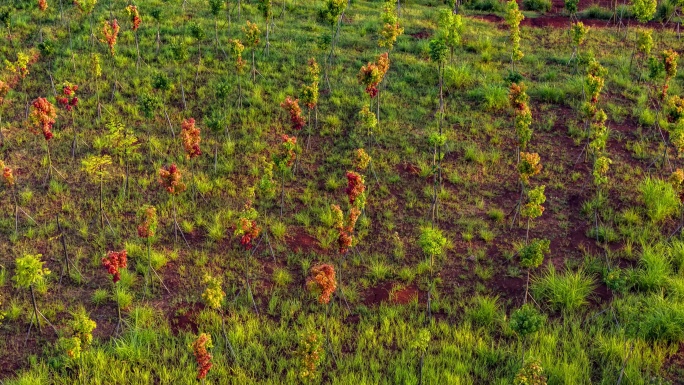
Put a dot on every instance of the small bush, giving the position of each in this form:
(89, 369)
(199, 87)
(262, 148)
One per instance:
(486, 5)
(537, 5)
(526, 320)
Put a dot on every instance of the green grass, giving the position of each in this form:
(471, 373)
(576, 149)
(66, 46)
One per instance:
(567, 292)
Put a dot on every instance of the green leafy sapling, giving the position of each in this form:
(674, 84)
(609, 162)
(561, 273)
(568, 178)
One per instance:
(432, 242)
(513, 18)
(532, 256)
(438, 54)
(97, 168)
(450, 29)
(30, 272)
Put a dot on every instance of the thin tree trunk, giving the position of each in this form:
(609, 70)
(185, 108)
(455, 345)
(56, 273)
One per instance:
(101, 213)
(282, 194)
(64, 248)
(35, 309)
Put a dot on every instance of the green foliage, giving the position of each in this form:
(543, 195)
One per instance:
(438, 50)
(82, 327)
(484, 311)
(421, 341)
(644, 10)
(29, 270)
(161, 82)
(450, 28)
(644, 40)
(149, 104)
(333, 9)
(213, 294)
(542, 6)
(432, 242)
(513, 18)
(535, 199)
(660, 199)
(96, 166)
(216, 6)
(120, 139)
(566, 292)
(578, 31)
(526, 320)
(532, 254)
(197, 32)
(179, 51)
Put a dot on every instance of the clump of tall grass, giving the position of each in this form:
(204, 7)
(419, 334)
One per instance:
(660, 199)
(568, 291)
(484, 311)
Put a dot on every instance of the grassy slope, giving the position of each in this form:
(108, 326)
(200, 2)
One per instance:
(470, 341)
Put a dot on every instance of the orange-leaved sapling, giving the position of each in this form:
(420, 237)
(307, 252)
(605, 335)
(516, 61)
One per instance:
(202, 356)
(248, 230)
(171, 180)
(214, 297)
(114, 262)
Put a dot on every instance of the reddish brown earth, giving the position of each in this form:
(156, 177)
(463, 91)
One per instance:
(424, 34)
(184, 317)
(557, 18)
(560, 21)
(392, 292)
(301, 241)
(674, 366)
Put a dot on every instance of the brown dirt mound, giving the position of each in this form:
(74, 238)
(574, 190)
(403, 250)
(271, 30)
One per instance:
(391, 292)
(420, 35)
(184, 317)
(302, 241)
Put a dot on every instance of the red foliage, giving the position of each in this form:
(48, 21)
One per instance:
(4, 89)
(250, 231)
(322, 282)
(191, 138)
(110, 30)
(42, 5)
(296, 119)
(43, 115)
(69, 99)
(289, 144)
(113, 262)
(135, 16)
(148, 224)
(372, 74)
(170, 178)
(345, 231)
(355, 186)
(7, 174)
(202, 356)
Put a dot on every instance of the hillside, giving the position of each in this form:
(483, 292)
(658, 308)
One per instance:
(437, 210)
